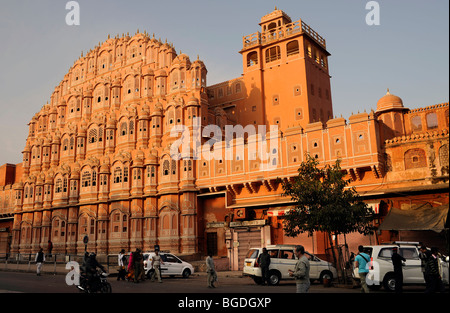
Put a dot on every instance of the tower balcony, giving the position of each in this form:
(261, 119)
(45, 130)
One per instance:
(282, 32)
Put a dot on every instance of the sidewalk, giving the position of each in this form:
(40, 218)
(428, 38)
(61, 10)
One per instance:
(60, 269)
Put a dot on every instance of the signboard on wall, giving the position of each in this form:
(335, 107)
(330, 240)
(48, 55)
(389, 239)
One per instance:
(248, 223)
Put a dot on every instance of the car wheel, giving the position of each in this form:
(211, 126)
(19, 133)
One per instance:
(274, 278)
(186, 273)
(389, 282)
(325, 275)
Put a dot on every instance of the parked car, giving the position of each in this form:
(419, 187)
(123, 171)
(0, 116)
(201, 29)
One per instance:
(383, 269)
(173, 265)
(283, 258)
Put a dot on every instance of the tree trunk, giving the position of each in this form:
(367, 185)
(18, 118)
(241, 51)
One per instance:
(334, 254)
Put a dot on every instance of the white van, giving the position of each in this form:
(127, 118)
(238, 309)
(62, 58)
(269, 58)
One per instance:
(173, 265)
(282, 259)
(383, 269)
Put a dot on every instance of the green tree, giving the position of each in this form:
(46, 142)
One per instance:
(324, 202)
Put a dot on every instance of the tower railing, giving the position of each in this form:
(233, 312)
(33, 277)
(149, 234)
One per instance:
(281, 32)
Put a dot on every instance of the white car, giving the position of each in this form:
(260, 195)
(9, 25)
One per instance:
(282, 259)
(173, 266)
(383, 270)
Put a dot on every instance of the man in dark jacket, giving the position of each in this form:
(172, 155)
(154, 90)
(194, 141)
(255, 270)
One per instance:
(264, 262)
(397, 260)
(434, 281)
(91, 269)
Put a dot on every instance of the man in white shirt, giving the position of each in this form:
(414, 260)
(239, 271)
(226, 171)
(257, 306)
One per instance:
(39, 259)
(156, 264)
(211, 270)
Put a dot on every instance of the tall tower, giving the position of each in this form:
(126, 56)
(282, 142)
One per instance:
(285, 70)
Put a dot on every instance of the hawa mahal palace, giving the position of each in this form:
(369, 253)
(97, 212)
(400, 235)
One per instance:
(97, 159)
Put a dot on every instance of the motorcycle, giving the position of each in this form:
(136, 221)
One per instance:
(99, 284)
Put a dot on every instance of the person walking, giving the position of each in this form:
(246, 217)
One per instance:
(141, 266)
(397, 262)
(301, 270)
(424, 254)
(121, 260)
(156, 265)
(264, 263)
(137, 259)
(211, 271)
(362, 261)
(39, 259)
(432, 270)
(130, 269)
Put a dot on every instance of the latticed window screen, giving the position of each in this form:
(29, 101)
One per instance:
(123, 129)
(58, 186)
(118, 175)
(92, 136)
(86, 179)
(125, 174)
(166, 167)
(131, 127)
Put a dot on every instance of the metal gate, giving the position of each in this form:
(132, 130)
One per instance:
(247, 239)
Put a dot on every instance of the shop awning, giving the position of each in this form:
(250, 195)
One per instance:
(278, 211)
(424, 217)
(375, 206)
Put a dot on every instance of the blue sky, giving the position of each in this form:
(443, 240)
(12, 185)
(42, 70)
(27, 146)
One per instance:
(408, 52)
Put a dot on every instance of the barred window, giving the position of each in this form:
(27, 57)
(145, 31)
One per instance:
(131, 127)
(58, 186)
(86, 179)
(100, 134)
(166, 167)
(92, 136)
(174, 167)
(118, 175)
(123, 129)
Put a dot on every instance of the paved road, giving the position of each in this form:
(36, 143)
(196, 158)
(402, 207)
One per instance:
(30, 283)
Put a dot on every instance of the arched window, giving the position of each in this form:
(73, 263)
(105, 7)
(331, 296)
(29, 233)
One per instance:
(58, 186)
(174, 167)
(166, 167)
(131, 127)
(123, 129)
(252, 58)
(415, 158)
(416, 123)
(86, 179)
(72, 143)
(92, 136)
(118, 175)
(292, 48)
(273, 54)
(432, 121)
(100, 134)
(443, 155)
(125, 174)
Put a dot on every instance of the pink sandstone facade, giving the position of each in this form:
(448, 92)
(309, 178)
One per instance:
(97, 159)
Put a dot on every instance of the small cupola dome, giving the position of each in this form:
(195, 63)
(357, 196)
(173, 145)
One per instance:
(389, 102)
